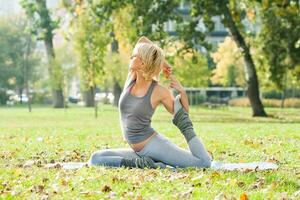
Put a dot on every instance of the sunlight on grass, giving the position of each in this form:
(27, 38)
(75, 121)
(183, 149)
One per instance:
(52, 135)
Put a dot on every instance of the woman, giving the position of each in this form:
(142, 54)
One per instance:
(138, 101)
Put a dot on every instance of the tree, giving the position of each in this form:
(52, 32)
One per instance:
(146, 18)
(279, 37)
(43, 26)
(191, 68)
(229, 69)
(117, 61)
(131, 19)
(17, 63)
(231, 17)
(91, 41)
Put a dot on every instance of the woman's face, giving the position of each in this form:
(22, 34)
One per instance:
(135, 61)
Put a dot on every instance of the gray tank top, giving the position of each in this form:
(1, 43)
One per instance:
(135, 114)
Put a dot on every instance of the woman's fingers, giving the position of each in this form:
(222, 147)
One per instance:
(167, 67)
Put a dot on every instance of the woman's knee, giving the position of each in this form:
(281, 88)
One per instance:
(96, 157)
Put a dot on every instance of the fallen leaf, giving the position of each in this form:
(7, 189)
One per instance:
(64, 182)
(106, 188)
(37, 188)
(241, 184)
(53, 165)
(243, 196)
(215, 174)
(139, 197)
(248, 142)
(258, 184)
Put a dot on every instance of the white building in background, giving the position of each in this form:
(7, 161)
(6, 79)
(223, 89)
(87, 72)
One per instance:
(215, 37)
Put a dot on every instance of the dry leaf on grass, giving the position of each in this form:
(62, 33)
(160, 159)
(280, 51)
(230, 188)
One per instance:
(258, 184)
(106, 188)
(243, 196)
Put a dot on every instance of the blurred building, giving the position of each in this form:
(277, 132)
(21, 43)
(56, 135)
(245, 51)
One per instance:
(215, 37)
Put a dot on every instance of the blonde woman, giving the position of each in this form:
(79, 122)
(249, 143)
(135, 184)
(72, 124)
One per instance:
(140, 96)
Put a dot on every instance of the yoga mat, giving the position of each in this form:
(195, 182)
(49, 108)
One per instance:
(216, 165)
(67, 165)
(243, 166)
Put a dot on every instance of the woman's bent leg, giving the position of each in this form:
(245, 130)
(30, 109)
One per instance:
(111, 157)
(182, 120)
(160, 148)
(198, 150)
(119, 157)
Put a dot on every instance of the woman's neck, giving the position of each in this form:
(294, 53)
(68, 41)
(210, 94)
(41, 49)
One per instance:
(141, 81)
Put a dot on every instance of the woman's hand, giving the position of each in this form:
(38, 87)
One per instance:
(167, 70)
(176, 84)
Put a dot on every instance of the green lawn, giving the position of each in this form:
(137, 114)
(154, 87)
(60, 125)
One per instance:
(231, 134)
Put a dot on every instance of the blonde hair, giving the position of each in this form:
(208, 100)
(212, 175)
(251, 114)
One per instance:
(153, 57)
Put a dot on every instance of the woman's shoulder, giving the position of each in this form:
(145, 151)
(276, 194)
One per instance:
(161, 90)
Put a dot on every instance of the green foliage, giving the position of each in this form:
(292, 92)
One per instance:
(279, 36)
(116, 68)
(90, 45)
(231, 74)
(3, 97)
(12, 54)
(229, 69)
(191, 69)
(43, 25)
(147, 18)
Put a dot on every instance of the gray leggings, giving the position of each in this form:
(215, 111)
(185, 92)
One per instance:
(161, 150)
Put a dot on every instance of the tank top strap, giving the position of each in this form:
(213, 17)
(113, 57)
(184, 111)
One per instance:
(148, 95)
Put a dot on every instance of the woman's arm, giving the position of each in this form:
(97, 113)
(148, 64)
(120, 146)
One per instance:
(167, 98)
(167, 68)
(130, 76)
(183, 97)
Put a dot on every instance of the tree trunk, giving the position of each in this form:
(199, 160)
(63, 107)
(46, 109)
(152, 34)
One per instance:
(251, 76)
(57, 92)
(21, 95)
(283, 94)
(58, 99)
(89, 97)
(28, 43)
(117, 92)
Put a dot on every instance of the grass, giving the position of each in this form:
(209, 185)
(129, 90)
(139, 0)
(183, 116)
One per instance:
(231, 134)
